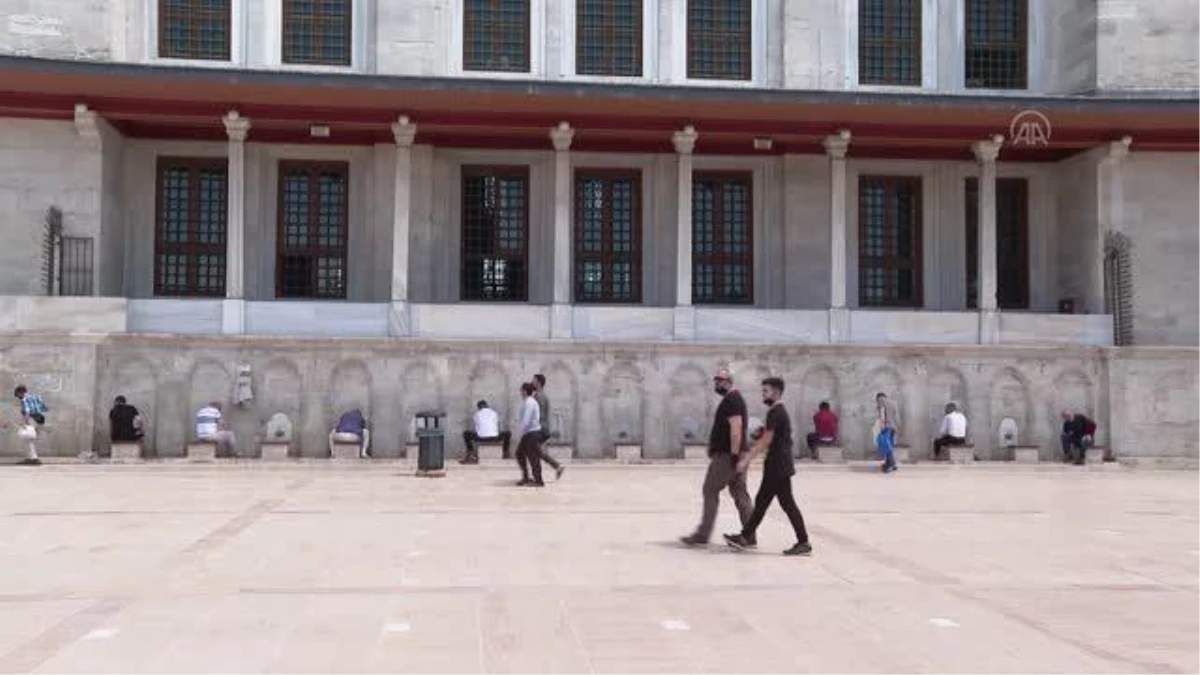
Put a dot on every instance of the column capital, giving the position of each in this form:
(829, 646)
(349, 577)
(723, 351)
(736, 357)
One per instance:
(837, 144)
(685, 141)
(1118, 150)
(561, 136)
(404, 131)
(987, 151)
(236, 126)
(87, 123)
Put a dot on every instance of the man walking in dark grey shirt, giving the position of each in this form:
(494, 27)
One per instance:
(725, 446)
(539, 395)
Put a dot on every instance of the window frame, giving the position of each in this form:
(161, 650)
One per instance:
(1021, 262)
(721, 261)
(312, 168)
(609, 32)
(161, 247)
(464, 62)
(348, 35)
(157, 45)
(889, 44)
(916, 262)
(1024, 28)
(498, 171)
(607, 258)
(749, 59)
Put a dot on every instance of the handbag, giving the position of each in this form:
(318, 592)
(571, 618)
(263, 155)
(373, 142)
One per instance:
(27, 431)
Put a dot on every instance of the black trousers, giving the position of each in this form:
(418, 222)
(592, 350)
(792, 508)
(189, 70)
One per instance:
(529, 456)
(775, 485)
(472, 439)
(945, 442)
(545, 457)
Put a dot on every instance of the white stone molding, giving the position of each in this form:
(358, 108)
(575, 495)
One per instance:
(986, 153)
(236, 128)
(836, 147)
(684, 142)
(87, 124)
(404, 131)
(562, 136)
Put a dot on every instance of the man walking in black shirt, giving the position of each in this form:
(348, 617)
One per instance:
(726, 445)
(778, 470)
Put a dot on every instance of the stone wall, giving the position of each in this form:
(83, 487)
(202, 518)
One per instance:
(601, 393)
(1147, 45)
(1071, 37)
(43, 164)
(59, 29)
(1162, 227)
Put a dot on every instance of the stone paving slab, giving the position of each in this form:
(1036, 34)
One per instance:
(229, 568)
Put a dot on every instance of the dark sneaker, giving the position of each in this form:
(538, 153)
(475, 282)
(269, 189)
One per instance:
(693, 540)
(803, 548)
(30, 461)
(740, 543)
(469, 460)
(535, 483)
(523, 482)
(558, 472)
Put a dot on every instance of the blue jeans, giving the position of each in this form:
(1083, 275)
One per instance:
(886, 445)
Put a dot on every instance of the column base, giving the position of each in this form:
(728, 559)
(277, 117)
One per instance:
(839, 324)
(398, 321)
(562, 320)
(989, 327)
(233, 316)
(685, 324)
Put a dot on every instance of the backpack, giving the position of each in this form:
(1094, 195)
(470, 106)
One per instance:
(36, 405)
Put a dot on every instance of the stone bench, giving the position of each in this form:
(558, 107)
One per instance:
(629, 452)
(961, 454)
(1095, 454)
(202, 451)
(274, 451)
(490, 451)
(695, 452)
(126, 451)
(1027, 454)
(903, 454)
(346, 450)
(829, 454)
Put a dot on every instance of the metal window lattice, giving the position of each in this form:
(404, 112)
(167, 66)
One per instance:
(608, 37)
(194, 29)
(608, 238)
(191, 227)
(996, 44)
(75, 263)
(889, 42)
(495, 228)
(722, 236)
(889, 265)
(719, 39)
(317, 32)
(1118, 287)
(313, 221)
(496, 35)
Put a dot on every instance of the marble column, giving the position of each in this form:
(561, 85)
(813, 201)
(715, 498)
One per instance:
(560, 311)
(839, 317)
(986, 153)
(685, 314)
(405, 132)
(233, 315)
(1110, 220)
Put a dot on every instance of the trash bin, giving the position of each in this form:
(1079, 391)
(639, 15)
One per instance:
(431, 443)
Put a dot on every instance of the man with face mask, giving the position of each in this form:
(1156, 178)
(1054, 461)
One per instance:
(780, 466)
(726, 444)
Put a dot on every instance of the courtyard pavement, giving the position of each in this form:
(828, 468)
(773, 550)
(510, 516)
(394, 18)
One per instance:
(345, 568)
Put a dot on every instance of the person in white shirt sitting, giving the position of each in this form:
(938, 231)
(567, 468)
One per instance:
(210, 427)
(952, 432)
(487, 428)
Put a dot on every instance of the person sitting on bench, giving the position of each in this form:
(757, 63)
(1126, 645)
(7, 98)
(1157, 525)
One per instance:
(953, 431)
(1078, 434)
(825, 429)
(487, 430)
(352, 428)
